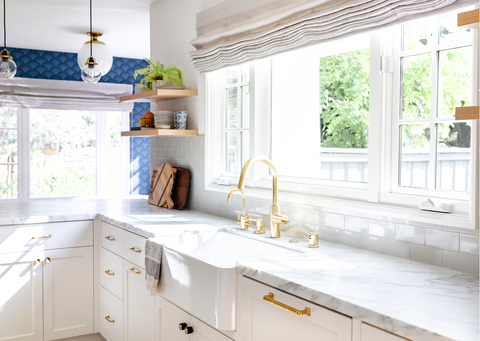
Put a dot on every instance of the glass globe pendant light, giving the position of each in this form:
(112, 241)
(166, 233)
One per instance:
(102, 53)
(91, 72)
(8, 69)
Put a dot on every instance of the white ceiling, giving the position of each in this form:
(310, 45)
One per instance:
(61, 25)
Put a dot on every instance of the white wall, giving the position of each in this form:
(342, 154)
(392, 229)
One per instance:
(172, 27)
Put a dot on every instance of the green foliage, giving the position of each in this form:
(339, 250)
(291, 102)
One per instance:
(170, 74)
(344, 99)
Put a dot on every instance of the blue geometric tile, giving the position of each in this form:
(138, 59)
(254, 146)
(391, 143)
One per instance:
(63, 66)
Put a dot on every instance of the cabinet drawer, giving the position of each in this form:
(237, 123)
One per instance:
(111, 316)
(123, 243)
(16, 238)
(370, 333)
(111, 272)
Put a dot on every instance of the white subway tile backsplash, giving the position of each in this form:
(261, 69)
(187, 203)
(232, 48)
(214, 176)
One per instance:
(382, 229)
(344, 237)
(426, 254)
(359, 225)
(396, 248)
(442, 239)
(469, 244)
(460, 261)
(411, 234)
(364, 241)
(456, 248)
(333, 220)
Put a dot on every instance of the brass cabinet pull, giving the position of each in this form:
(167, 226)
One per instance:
(108, 319)
(135, 272)
(269, 298)
(43, 237)
(182, 326)
(135, 250)
(111, 239)
(38, 261)
(189, 330)
(48, 259)
(110, 273)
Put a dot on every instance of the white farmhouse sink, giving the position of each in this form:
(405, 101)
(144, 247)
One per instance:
(198, 273)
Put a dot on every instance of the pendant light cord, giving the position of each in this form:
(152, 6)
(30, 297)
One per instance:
(5, 25)
(91, 34)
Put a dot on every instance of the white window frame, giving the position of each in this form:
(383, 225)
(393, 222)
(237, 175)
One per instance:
(372, 198)
(23, 145)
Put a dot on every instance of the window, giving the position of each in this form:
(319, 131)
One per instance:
(68, 153)
(435, 76)
(339, 122)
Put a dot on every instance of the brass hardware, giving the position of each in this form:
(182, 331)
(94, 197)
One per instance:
(43, 237)
(38, 261)
(244, 222)
(95, 36)
(293, 241)
(111, 239)
(5, 54)
(189, 330)
(269, 298)
(259, 227)
(108, 319)
(276, 218)
(182, 326)
(135, 250)
(135, 272)
(313, 240)
(48, 259)
(110, 273)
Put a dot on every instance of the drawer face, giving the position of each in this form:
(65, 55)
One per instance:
(123, 243)
(370, 333)
(17, 238)
(111, 272)
(111, 308)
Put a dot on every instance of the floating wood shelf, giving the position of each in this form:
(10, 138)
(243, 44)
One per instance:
(159, 95)
(467, 113)
(469, 19)
(161, 132)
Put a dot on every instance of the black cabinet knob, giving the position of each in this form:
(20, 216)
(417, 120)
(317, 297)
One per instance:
(182, 326)
(189, 330)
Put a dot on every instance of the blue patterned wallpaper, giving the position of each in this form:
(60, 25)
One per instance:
(63, 66)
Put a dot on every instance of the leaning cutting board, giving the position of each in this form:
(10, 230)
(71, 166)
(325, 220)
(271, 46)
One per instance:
(180, 188)
(161, 186)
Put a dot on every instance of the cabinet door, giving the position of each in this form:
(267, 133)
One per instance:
(203, 332)
(138, 305)
(370, 333)
(266, 321)
(167, 319)
(68, 292)
(111, 316)
(21, 297)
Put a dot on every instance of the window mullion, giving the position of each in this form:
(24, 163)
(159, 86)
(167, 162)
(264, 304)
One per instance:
(23, 136)
(101, 150)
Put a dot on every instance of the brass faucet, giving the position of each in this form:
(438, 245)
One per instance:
(244, 222)
(276, 218)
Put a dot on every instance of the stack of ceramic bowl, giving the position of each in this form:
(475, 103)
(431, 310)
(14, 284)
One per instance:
(163, 118)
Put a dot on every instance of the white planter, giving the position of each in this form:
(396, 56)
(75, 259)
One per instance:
(156, 84)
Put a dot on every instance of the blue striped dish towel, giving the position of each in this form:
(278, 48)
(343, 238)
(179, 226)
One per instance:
(153, 265)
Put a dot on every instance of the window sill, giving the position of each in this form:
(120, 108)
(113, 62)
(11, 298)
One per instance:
(357, 207)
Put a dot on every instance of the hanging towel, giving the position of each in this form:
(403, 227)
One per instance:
(153, 265)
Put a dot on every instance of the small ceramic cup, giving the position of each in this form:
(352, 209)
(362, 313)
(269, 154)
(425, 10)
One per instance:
(180, 120)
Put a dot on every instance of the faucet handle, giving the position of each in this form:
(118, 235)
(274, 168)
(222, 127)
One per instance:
(280, 218)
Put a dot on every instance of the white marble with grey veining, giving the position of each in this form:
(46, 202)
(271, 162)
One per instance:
(418, 301)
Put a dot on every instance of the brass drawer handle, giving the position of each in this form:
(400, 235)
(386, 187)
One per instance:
(111, 239)
(43, 237)
(108, 319)
(135, 250)
(110, 273)
(135, 272)
(269, 298)
(48, 259)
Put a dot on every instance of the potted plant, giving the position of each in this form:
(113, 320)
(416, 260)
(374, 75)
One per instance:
(157, 75)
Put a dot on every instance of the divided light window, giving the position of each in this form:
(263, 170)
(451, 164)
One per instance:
(435, 77)
(8, 153)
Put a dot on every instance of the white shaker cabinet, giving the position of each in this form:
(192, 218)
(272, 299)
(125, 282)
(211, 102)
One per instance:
(274, 317)
(171, 323)
(21, 317)
(370, 333)
(138, 305)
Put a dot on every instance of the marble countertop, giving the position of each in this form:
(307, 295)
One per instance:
(411, 299)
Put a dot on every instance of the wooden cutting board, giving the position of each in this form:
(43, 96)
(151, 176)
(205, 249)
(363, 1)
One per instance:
(163, 178)
(180, 188)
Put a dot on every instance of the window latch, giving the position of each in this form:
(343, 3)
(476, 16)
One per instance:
(387, 64)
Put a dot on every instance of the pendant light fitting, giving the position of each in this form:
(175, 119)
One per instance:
(91, 72)
(8, 68)
(102, 53)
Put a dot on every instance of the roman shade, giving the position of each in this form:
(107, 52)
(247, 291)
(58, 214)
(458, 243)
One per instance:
(66, 95)
(235, 32)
